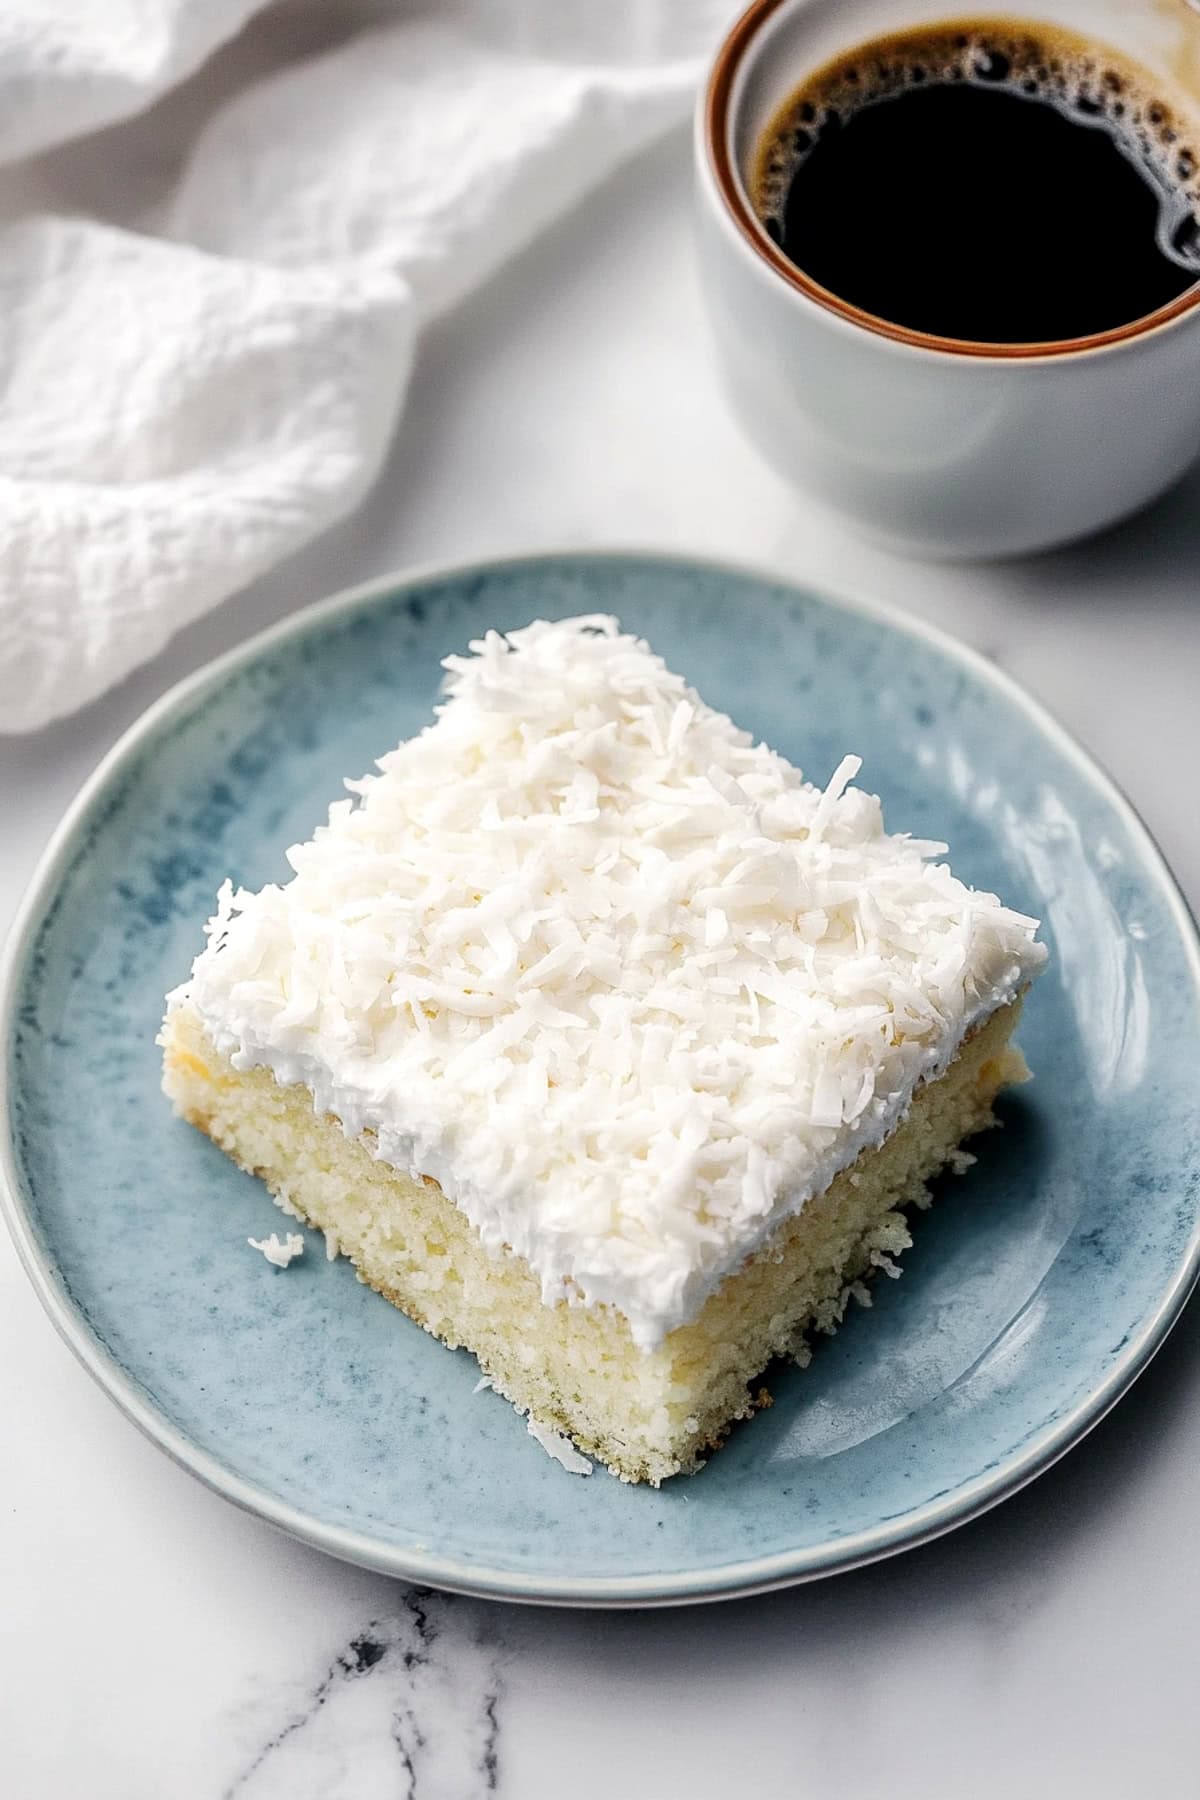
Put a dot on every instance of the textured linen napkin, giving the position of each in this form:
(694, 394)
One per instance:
(209, 304)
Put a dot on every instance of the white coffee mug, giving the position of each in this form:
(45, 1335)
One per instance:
(930, 444)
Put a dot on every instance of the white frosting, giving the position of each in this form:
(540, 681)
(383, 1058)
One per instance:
(279, 1251)
(618, 979)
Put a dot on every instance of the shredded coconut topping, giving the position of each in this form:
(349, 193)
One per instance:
(611, 973)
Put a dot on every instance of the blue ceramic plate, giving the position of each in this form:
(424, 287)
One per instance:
(1034, 1294)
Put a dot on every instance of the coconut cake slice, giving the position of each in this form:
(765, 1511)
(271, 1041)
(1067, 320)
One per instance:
(600, 1041)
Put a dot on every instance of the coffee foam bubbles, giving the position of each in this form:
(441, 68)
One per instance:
(1085, 81)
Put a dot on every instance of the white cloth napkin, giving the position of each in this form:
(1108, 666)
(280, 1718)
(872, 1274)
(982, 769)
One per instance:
(208, 308)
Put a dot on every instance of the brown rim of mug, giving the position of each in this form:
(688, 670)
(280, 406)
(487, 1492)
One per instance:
(716, 119)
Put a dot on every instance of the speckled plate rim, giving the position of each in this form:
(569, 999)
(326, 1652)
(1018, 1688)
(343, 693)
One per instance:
(725, 1581)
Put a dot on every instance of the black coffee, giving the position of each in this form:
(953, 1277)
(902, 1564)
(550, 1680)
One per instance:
(985, 180)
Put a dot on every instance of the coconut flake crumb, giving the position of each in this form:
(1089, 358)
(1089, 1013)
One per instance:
(553, 1442)
(277, 1251)
(560, 1448)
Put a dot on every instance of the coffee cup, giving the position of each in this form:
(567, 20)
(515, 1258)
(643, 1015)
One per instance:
(937, 445)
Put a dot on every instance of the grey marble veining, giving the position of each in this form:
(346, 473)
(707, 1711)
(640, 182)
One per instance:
(409, 1709)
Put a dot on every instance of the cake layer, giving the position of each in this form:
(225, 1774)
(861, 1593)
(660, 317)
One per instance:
(576, 1368)
(622, 982)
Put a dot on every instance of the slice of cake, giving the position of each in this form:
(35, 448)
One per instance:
(601, 1042)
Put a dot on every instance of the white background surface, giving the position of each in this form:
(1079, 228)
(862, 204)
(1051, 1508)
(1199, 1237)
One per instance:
(155, 1643)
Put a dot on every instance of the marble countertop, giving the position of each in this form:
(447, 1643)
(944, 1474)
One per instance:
(158, 1645)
